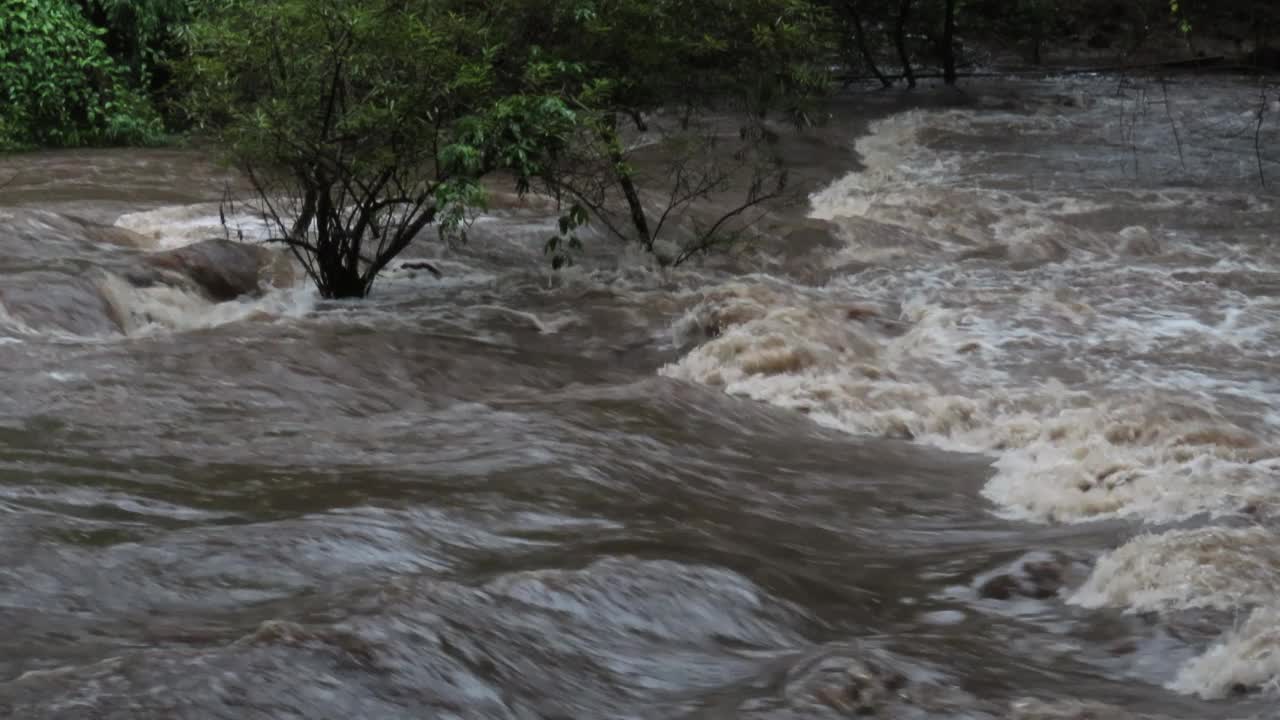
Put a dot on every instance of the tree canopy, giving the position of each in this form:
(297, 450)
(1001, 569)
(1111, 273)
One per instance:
(94, 72)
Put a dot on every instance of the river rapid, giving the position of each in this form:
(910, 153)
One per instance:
(988, 428)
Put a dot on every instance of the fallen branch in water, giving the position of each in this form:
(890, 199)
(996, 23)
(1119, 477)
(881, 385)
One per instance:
(422, 265)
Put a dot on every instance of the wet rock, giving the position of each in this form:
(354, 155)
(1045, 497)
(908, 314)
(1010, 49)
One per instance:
(865, 691)
(1046, 578)
(1000, 587)
(219, 269)
(1038, 577)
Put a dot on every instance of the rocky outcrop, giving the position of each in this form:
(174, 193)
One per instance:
(220, 270)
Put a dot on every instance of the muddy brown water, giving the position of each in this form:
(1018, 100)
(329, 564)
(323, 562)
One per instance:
(993, 433)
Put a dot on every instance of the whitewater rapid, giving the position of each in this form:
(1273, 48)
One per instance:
(1108, 336)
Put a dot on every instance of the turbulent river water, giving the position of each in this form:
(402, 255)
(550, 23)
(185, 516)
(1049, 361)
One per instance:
(993, 432)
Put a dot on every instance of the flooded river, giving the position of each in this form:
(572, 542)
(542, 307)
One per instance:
(989, 428)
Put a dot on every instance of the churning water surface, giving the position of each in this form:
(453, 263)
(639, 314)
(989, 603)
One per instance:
(993, 433)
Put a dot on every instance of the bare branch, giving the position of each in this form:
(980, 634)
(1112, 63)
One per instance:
(1257, 134)
(1173, 124)
(710, 238)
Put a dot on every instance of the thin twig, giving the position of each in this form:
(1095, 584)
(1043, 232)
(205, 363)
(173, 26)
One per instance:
(1173, 124)
(1257, 134)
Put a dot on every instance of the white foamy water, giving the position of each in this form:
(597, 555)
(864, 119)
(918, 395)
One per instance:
(161, 308)
(176, 226)
(1247, 658)
(1212, 567)
(1031, 293)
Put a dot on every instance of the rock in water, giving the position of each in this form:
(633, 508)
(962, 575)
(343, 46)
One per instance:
(219, 269)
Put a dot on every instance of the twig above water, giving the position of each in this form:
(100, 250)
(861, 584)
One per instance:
(1173, 124)
(1257, 134)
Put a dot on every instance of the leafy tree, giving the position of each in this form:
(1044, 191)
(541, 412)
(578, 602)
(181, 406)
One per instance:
(363, 122)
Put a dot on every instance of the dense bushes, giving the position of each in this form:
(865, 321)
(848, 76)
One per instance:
(80, 72)
(61, 87)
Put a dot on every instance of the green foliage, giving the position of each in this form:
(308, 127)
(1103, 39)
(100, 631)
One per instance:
(634, 56)
(144, 34)
(1175, 11)
(58, 85)
(562, 246)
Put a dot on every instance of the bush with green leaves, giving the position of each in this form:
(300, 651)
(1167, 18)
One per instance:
(58, 85)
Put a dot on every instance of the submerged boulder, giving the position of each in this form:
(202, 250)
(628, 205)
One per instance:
(221, 270)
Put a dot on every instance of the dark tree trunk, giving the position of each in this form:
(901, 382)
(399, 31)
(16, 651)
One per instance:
(634, 205)
(900, 39)
(336, 258)
(864, 49)
(948, 46)
(629, 191)
(346, 283)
